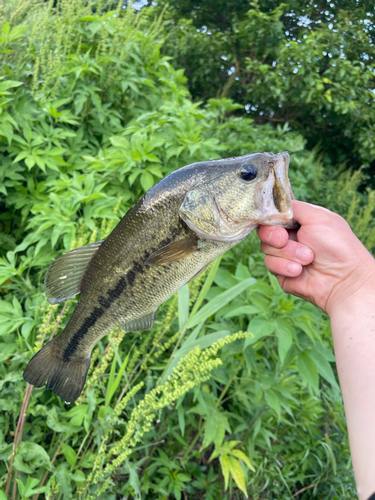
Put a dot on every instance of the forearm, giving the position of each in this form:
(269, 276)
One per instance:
(353, 331)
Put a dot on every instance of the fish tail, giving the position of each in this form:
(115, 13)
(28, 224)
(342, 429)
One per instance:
(65, 376)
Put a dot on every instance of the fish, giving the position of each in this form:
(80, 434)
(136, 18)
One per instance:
(167, 238)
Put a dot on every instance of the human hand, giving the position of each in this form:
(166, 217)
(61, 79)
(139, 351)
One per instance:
(323, 262)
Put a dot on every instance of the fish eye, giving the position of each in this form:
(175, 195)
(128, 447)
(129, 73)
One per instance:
(248, 173)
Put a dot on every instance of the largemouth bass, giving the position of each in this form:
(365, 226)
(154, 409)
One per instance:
(169, 236)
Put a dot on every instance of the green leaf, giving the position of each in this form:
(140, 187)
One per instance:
(214, 431)
(304, 322)
(324, 367)
(284, 331)
(8, 84)
(206, 286)
(225, 279)
(273, 401)
(224, 463)
(237, 474)
(241, 455)
(220, 301)
(6, 28)
(259, 327)
(242, 310)
(134, 480)
(69, 453)
(308, 370)
(147, 181)
(183, 306)
(114, 383)
(20, 465)
(181, 419)
(54, 424)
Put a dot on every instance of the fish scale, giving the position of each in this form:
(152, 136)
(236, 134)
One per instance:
(169, 236)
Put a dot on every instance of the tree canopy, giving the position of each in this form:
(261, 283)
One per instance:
(306, 64)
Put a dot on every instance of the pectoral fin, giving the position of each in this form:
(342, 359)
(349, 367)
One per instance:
(143, 323)
(173, 252)
(64, 277)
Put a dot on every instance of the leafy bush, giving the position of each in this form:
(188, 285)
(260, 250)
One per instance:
(92, 115)
(306, 64)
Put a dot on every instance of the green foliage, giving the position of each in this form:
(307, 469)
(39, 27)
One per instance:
(305, 64)
(233, 392)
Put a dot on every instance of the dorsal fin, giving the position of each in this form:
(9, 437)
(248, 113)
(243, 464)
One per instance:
(63, 278)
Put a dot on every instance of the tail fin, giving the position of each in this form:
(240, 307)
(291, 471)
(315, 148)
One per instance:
(65, 377)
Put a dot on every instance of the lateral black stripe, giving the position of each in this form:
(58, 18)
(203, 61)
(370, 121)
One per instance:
(97, 313)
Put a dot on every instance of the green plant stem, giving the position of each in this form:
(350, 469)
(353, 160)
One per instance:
(36, 496)
(229, 383)
(14, 490)
(216, 406)
(90, 440)
(253, 422)
(134, 376)
(162, 428)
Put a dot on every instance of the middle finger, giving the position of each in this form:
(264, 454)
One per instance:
(292, 251)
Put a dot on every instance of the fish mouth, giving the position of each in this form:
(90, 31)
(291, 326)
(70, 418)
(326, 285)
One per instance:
(277, 195)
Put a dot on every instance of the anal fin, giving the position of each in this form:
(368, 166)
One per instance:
(142, 323)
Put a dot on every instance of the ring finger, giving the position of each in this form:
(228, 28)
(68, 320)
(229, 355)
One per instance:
(282, 267)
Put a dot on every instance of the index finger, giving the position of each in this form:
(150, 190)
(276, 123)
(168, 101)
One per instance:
(275, 236)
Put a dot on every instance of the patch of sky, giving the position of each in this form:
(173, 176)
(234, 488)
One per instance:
(304, 21)
(231, 70)
(138, 4)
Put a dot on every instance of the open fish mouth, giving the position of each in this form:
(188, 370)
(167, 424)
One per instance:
(276, 196)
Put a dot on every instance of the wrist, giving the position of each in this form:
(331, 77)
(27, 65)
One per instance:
(352, 292)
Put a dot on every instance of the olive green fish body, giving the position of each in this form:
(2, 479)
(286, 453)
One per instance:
(129, 287)
(168, 237)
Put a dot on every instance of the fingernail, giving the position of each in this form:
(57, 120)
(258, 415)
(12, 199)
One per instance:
(274, 237)
(293, 268)
(304, 253)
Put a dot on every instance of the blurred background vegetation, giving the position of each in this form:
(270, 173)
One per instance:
(234, 392)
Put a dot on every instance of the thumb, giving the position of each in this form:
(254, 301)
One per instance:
(306, 213)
